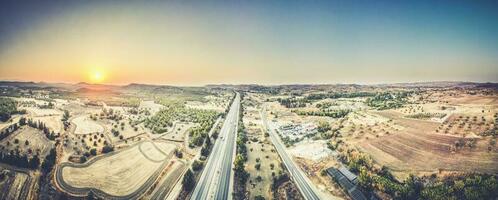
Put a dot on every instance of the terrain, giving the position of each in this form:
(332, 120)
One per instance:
(137, 141)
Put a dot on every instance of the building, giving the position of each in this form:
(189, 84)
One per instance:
(348, 182)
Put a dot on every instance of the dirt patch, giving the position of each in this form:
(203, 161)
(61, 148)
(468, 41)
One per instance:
(85, 125)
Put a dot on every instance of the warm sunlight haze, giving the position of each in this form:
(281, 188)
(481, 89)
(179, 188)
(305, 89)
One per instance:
(249, 100)
(97, 77)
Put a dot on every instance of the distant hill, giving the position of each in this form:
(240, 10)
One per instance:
(167, 89)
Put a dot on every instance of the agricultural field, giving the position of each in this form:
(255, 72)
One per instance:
(85, 125)
(14, 185)
(120, 173)
(425, 145)
(440, 133)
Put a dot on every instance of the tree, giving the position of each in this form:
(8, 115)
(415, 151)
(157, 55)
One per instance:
(34, 162)
(49, 161)
(239, 163)
(259, 197)
(207, 142)
(257, 166)
(188, 181)
(197, 165)
(178, 153)
(107, 149)
(7, 108)
(204, 151)
(22, 121)
(323, 126)
(364, 179)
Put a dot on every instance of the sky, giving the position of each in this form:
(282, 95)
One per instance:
(249, 42)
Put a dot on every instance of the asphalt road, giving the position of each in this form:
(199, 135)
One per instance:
(217, 177)
(304, 185)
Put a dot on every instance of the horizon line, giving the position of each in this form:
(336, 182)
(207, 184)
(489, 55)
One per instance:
(240, 84)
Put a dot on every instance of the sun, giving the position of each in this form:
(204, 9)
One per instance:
(97, 77)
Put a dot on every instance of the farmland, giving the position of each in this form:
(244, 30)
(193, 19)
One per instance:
(121, 173)
(400, 131)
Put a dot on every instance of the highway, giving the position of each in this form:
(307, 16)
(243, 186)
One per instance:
(216, 180)
(304, 185)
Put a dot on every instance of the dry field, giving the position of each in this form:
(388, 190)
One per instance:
(125, 132)
(38, 143)
(151, 106)
(85, 125)
(417, 148)
(311, 150)
(178, 132)
(121, 173)
(259, 148)
(53, 122)
(269, 161)
(38, 112)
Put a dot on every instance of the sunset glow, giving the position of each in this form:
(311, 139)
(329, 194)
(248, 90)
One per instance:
(97, 77)
(182, 43)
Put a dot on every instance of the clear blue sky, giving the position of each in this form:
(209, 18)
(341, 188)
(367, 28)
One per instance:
(269, 42)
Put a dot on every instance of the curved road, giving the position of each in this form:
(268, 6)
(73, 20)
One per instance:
(85, 190)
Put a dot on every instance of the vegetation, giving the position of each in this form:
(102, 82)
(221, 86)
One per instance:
(241, 175)
(188, 181)
(107, 149)
(388, 100)
(49, 162)
(325, 105)
(470, 186)
(65, 119)
(165, 118)
(9, 130)
(40, 126)
(289, 142)
(426, 115)
(8, 107)
(15, 159)
(197, 165)
(337, 95)
(293, 102)
(327, 113)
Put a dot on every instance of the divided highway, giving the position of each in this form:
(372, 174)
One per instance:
(217, 177)
(304, 185)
